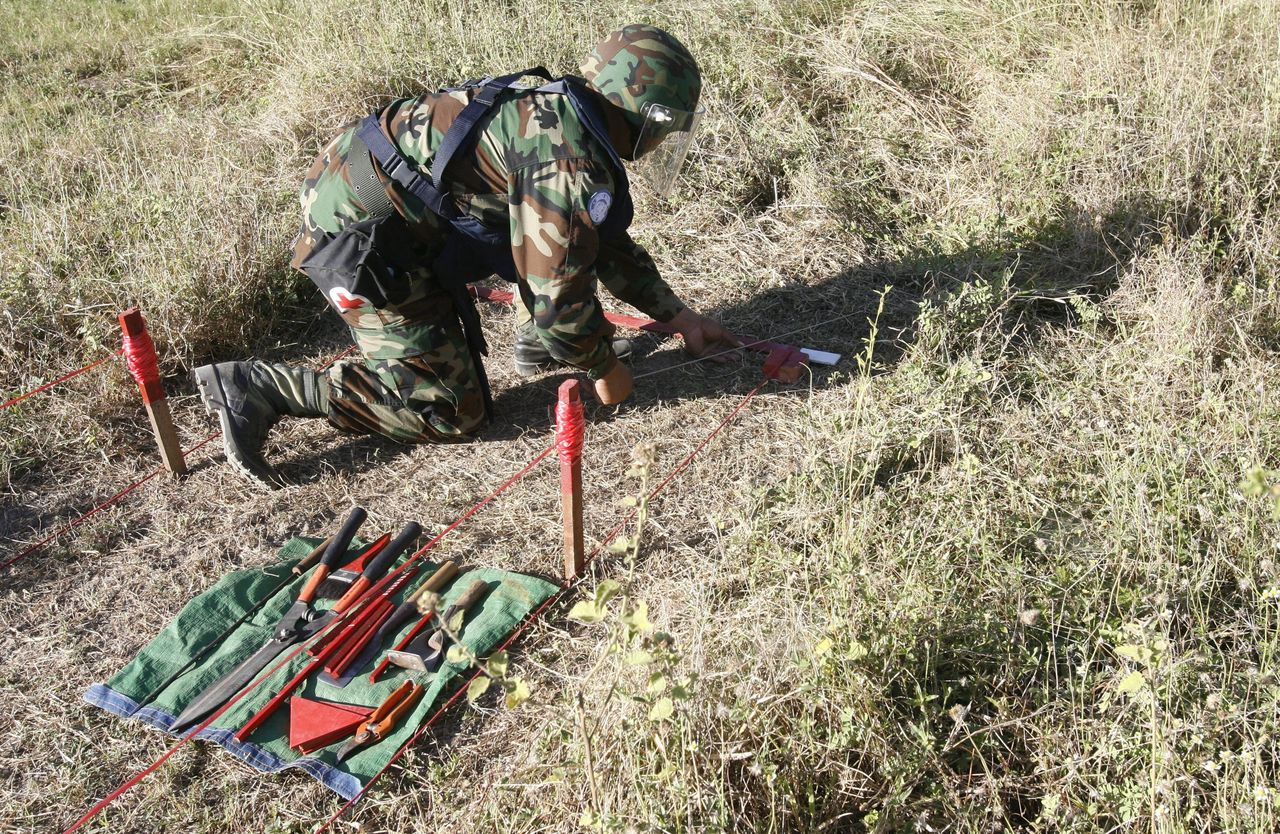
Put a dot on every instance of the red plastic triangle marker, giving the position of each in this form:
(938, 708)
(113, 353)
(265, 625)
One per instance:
(355, 709)
(315, 724)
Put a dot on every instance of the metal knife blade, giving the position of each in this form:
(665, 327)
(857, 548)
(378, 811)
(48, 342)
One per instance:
(299, 623)
(220, 691)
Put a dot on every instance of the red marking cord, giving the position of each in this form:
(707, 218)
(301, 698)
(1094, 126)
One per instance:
(375, 589)
(547, 603)
(80, 519)
(651, 326)
(60, 379)
(75, 522)
(151, 768)
(131, 487)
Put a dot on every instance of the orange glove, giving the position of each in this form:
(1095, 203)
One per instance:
(615, 386)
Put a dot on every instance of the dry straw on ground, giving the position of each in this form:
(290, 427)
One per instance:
(1011, 567)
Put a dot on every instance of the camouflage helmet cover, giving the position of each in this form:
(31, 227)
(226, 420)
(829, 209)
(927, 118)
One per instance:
(641, 64)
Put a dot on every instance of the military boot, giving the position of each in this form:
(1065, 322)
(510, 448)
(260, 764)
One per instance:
(249, 398)
(532, 357)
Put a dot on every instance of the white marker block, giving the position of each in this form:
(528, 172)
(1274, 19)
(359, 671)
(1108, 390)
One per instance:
(820, 357)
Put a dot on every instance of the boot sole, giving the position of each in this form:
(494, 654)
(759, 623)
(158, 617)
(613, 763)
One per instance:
(203, 385)
(528, 370)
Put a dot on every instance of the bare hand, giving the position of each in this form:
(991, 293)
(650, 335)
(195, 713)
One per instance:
(705, 338)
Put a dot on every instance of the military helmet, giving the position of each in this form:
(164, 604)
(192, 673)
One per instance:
(653, 79)
(641, 64)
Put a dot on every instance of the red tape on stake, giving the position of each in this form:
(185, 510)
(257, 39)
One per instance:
(541, 609)
(375, 590)
(570, 431)
(140, 355)
(122, 493)
(571, 427)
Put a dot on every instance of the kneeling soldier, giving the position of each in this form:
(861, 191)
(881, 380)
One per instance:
(406, 207)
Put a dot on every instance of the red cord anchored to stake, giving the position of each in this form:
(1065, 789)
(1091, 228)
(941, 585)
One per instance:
(570, 429)
(140, 355)
(60, 380)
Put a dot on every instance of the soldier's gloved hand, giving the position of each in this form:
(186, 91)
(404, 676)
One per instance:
(705, 338)
(615, 386)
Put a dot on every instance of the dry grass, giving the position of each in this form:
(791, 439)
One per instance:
(1011, 567)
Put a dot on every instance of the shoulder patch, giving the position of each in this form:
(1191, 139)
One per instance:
(598, 206)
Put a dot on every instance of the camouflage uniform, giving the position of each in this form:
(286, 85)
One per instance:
(535, 171)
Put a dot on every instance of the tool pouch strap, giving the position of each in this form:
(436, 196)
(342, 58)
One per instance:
(465, 305)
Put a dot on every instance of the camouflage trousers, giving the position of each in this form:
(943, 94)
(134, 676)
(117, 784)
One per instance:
(417, 381)
(433, 397)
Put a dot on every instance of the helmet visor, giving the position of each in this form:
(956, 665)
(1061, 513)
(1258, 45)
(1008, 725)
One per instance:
(663, 143)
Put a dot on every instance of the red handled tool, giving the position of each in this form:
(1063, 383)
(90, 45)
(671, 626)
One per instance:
(368, 608)
(297, 624)
(371, 620)
(371, 574)
(384, 718)
(339, 582)
(444, 574)
(427, 653)
(357, 640)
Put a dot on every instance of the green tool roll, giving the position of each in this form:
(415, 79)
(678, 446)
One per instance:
(200, 624)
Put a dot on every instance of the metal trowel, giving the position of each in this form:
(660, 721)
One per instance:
(427, 651)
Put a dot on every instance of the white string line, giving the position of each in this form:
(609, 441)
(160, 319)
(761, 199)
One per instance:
(744, 345)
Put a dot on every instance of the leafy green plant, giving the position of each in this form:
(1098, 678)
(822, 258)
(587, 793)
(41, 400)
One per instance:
(494, 669)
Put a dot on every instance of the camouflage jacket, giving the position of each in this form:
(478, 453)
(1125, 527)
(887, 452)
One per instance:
(535, 171)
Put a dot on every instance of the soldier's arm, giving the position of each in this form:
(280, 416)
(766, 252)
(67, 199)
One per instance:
(630, 274)
(556, 245)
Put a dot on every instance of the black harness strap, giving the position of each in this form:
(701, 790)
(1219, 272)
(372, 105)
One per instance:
(574, 88)
(370, 191)
(371, 141)
(430, 189)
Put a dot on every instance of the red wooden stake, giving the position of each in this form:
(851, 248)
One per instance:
(569, 433)
(140, 355)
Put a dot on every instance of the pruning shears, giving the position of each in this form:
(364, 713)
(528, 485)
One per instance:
(428, 651)
(384, 718)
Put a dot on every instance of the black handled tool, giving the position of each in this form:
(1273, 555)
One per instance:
(371, 574)
(402, 616)
(305, 563)
(293, 627)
